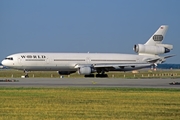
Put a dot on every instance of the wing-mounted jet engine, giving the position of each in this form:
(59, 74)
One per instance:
(85, 70)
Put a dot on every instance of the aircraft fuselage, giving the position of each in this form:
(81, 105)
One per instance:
(68, 61)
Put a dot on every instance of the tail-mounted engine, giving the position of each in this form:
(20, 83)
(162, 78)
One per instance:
(156, 49)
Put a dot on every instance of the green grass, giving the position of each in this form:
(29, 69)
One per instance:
(89, 103)
(54, 74)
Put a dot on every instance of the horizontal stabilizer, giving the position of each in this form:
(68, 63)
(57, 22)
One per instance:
(169, 56)
(161, 59)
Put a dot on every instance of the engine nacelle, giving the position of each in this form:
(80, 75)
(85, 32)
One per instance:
(168, 46)
(148, 49)
(85, 70)
(66, 72)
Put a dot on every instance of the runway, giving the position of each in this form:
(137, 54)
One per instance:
(90, 82)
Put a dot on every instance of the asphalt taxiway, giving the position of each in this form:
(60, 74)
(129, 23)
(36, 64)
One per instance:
(89, 82)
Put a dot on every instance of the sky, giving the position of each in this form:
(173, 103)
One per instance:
(95, 26)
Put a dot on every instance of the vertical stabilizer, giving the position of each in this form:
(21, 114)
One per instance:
(158, 36)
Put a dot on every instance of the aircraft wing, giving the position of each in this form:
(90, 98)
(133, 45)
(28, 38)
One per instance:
(153, 60)
(114, 66)
(119, 65)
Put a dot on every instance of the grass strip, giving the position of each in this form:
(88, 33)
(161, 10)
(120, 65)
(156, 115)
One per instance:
(89, 103)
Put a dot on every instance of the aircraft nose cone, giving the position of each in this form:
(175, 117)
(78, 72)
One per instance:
(3, 63)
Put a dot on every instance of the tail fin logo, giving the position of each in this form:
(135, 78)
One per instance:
(157, 37)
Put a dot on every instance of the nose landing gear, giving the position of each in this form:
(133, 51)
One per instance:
(26, 74)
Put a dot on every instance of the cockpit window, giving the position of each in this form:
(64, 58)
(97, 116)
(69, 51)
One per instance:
(9, 58)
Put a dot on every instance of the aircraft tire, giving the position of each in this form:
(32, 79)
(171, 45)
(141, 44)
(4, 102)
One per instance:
(91, 75)
(26, 76)
(101, 75)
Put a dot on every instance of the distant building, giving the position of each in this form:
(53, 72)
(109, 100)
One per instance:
(168, 66)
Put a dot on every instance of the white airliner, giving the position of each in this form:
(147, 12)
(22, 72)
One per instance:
(89, 63)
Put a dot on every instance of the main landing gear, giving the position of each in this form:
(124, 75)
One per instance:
(97, 75)
(101, 75)
(91, 75)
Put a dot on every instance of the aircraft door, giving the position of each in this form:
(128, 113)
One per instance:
(88, 60)
(19, 61)
(47, 60)
(137, 60)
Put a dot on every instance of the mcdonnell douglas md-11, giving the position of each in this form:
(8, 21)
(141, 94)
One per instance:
(88, 63)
